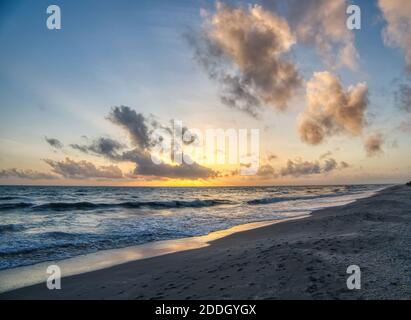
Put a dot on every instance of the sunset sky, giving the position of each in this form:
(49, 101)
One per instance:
(77, 105)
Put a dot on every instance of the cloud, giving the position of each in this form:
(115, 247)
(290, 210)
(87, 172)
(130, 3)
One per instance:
(243, 49)
(134, 123)
(403, 97)
(83, 169)
(373, 144)
(405, 126)
(326, 155)
(266, 171)
(101, 146)
(392, 144)
(300, 167)
(330, 165)
(236, 95)
(344, 165)
(272, 157)
(397, 31)
(331, 109)
(140, 129)
(146, 167)
(55, 143)
(322, 23)
(26, 174)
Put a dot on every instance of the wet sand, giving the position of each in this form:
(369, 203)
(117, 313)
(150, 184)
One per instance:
(300, 259)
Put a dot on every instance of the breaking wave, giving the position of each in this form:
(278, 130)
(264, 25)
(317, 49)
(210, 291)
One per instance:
(61, 206)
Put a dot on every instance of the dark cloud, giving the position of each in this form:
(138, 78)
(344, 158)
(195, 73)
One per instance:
(236, 95)
(55, 143)
(326, 155)
(232, 173)
(329, 165)
(188, 136)
(26, 174)
(146, 167)
(344, 165)
(373, 144)
(300, 167)
(84, 170)
(403, 97)
(106, 147)
(140, 129)
(81, 148)
(134, 123)
(243, 50)
(266, 171)
(272, 157)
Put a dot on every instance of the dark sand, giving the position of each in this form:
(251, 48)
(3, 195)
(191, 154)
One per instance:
(302, 259)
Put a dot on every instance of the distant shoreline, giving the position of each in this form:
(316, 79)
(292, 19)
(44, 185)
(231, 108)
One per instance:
(303, 259)
(121, 218)
(183, 187)
(20, 277)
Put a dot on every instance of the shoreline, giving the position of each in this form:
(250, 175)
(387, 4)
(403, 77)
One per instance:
(253, 240)
(23, 276)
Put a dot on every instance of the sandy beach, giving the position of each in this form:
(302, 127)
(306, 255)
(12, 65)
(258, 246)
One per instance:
(301, 259)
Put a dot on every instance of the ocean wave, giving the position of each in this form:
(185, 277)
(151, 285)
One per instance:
(283, 199)
(10, 228)
(12, 206)
(62, 206)
(59, 235)
(45, 229)
(46, 246)
(9, 198)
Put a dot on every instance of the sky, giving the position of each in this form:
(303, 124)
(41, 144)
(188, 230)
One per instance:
(79, 105)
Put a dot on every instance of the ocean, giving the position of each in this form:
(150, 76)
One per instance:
(39, 224)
